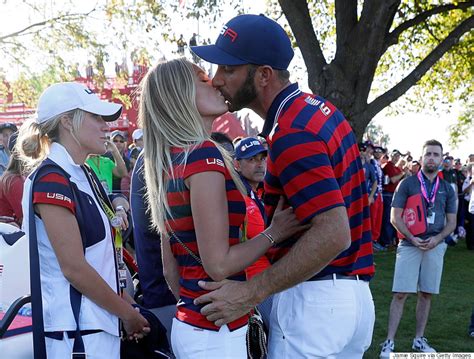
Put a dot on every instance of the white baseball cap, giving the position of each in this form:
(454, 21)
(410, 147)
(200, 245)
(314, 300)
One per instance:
(137, 134)
(68, 96)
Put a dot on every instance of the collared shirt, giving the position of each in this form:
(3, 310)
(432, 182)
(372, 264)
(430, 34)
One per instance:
(315, 164)
(445, 202)
(53, 188)
(203, 158)
(255, 225)
(390, 170)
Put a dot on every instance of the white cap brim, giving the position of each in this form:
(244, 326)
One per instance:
(108, 110)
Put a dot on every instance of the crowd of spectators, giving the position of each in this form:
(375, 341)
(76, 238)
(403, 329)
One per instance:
(387, 168)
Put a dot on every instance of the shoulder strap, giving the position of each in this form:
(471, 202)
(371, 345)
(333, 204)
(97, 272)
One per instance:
(78, 351)
(187, 249)
(39, 345)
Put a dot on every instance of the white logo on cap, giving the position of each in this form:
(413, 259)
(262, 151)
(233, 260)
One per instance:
(227, 31)
(249, 145)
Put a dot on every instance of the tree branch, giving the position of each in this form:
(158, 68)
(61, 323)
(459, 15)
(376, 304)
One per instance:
(393, 36)
(413, 77)
(346, 20)
(297, 14)
(43, 23)
(368, 38)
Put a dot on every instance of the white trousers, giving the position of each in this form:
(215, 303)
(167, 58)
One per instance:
(196, 343)
(322, 319)
(100, 345)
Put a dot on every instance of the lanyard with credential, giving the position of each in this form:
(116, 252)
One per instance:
(431, 199)
(116, 223)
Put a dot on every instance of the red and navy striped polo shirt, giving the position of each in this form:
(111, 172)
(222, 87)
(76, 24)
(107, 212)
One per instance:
(314, 162)
(205, 157)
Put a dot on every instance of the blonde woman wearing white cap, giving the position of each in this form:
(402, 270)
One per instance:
(74, 276)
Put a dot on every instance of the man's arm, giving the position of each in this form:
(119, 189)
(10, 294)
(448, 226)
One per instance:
(372, 192)
(323, 242)
(451, 211)
(308, 256)
(120, 169)
(396, 178)
(306, 173)
(397, 221)
(433, 241)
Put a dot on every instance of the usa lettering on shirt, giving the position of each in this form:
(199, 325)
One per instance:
(58, 196)
(215, 161)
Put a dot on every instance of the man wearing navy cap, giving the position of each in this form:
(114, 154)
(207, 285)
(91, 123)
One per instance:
(323, 306)
(251, 162)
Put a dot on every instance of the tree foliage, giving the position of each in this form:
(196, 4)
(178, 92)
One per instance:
(46, 48)
(383, 49)
(375, 134)
(363, 55)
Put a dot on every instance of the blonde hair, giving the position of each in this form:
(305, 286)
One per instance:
(35, 139)
(14, 169)
(169, 117)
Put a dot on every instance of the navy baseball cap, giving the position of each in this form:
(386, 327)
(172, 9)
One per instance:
(249, 39)
(248, 147)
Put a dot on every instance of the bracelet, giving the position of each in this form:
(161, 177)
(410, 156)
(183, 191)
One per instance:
(269, 237)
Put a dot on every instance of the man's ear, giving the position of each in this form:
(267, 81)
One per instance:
(264, 75)
(237, 165)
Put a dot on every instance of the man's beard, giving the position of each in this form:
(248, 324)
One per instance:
(430, 169)
(246, 93)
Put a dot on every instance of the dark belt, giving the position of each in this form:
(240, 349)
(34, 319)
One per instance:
(334, 276)
(70, 334)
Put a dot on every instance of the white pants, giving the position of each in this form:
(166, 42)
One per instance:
(196, 343)
(322, 319)
(100, 345)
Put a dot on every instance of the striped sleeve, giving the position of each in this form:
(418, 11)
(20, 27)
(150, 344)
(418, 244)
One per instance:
(54, 188)
(305, 172)
(204, 158)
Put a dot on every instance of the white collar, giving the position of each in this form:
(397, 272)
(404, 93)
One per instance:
(280, 108)
(59, 154)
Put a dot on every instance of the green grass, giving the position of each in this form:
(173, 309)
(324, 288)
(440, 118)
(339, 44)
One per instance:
(450, 311)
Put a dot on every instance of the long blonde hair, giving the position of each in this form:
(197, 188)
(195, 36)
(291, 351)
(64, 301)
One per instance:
(169, 117)
(35, 139)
